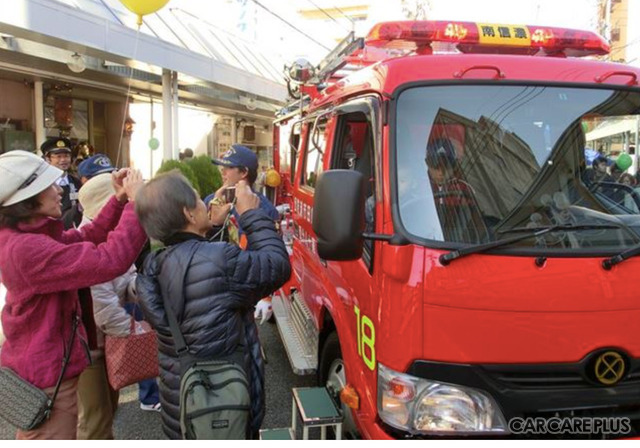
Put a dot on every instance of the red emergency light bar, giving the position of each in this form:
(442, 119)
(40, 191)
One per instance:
(471, 37)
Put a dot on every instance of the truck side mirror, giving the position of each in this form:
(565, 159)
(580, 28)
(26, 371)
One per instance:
(338, 214)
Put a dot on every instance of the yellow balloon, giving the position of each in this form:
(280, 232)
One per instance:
(272, 179)
(143, 7)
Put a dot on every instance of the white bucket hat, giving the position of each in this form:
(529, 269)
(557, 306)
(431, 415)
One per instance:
(23, 175)
(95, 194)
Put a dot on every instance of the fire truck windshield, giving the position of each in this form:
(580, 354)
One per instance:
(474, 163)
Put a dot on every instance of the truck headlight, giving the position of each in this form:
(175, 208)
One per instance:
(417, 405)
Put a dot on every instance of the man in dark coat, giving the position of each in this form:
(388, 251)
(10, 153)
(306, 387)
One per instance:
(57, 151)
(212, 287)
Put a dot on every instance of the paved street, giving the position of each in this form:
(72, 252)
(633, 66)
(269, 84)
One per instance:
(132, 423)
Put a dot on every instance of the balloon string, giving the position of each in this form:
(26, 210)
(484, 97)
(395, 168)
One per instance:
(126, 103)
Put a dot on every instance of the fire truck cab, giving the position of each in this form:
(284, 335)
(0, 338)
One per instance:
(461, 260)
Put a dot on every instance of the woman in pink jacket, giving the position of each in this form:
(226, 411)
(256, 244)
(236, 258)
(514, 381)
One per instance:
(42, 268)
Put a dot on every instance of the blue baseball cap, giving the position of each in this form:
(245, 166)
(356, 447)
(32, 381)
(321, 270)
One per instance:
(94, 165)
(238, 156)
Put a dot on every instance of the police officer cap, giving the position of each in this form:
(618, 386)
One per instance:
(56, 146)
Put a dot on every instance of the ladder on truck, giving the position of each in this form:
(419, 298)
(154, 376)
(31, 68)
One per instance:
(349, 56)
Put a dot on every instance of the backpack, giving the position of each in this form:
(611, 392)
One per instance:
(214, 401)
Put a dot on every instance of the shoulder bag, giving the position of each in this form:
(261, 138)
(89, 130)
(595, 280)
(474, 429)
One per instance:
(24, 405)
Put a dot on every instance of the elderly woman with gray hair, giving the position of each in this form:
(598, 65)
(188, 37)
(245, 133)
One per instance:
(212, 287)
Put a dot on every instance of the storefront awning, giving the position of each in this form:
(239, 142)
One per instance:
(169, 39)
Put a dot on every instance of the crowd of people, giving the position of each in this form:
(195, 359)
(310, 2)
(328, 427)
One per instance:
(77, 263)
(613, 181)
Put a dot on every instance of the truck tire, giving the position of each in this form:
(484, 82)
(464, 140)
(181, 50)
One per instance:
(331, 374)
(330, 353)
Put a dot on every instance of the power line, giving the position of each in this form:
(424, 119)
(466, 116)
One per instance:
(346, 16)
(628, 44)
(328, 15)
(291, 25)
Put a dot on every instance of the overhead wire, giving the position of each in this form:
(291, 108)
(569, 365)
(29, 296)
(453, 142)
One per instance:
(291, 25)
(346, 16)
(628, 44)
(328, 15)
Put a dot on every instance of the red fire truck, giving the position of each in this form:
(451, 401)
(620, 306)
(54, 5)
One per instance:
(462, 241)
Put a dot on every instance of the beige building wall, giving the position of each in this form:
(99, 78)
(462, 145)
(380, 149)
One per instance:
(633, 34)
(16, 102)
(613, 24)
(619, 23)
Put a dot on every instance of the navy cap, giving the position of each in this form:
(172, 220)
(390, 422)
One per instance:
(239, 156)
(55, 146)
(94, 165)
(600, 158)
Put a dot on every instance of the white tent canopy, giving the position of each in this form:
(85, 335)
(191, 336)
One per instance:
(610, 128)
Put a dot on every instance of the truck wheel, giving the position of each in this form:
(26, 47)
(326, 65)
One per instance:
(332, 375)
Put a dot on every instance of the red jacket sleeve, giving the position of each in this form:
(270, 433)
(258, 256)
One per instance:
(49, 266)
(97, 231)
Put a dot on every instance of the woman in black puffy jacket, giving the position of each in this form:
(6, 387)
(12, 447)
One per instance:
(211, 286)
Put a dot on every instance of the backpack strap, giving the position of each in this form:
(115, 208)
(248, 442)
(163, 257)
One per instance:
(182, 349)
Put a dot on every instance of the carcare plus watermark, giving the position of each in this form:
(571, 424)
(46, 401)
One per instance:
(570, 425)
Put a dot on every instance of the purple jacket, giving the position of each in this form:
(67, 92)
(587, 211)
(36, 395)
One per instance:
(42, 267)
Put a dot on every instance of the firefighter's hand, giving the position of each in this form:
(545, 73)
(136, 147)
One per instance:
(245, 198)
(218, 213)
(263, 310)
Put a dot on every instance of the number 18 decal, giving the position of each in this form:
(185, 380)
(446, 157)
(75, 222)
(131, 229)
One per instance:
(366, 339)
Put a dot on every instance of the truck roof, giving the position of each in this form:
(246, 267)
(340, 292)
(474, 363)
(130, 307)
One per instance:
(386, 76)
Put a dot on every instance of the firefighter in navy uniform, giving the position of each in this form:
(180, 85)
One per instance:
(57, 151)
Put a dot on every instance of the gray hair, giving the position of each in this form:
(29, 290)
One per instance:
(160, 204)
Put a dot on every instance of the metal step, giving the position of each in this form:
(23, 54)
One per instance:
(277, 434)
(297, 331)
(316, 409)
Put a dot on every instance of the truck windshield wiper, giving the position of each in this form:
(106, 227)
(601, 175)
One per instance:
(526, 233)
(617, 259)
